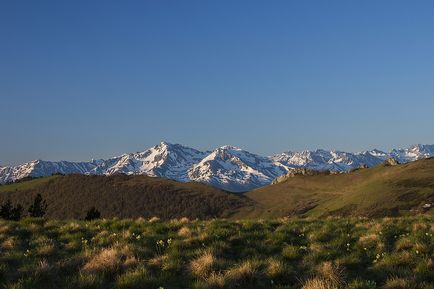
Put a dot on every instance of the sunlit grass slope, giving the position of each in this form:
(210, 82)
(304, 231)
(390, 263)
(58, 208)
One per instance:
(286, 253)
(24, 185)
(379, 191)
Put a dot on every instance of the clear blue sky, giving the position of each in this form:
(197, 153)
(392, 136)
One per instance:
(83, 79)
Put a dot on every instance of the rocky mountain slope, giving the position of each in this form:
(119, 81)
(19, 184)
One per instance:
(236, 170)
(227, 167)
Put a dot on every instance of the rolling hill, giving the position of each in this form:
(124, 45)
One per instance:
(384, 190)
(124, 196)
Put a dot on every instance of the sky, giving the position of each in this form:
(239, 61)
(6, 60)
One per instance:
(94, 79)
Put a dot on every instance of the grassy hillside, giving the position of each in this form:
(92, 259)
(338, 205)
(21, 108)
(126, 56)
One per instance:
(124, 196)
(23, 185)
(350, 253)
(379, 191)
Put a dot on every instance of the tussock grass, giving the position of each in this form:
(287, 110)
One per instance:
(203, 264)
(353, 253)
(318, 283)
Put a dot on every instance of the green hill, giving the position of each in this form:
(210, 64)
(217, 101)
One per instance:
(124, 196)
(379, 191)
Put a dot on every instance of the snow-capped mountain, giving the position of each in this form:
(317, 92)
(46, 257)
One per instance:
(226, 167)
(413, 153)
(167, 160)
(164, 160)
(234, 169)
(330, 160)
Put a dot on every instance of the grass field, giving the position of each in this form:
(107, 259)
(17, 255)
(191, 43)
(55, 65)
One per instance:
(374, 192)
(281, 253)
(27, 184)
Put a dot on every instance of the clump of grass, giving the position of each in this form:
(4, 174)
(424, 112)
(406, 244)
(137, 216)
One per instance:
(135, 279)
(46, 250)
(154, 219)
(203, 264)
(9, 243)
(331, 273)
(109, 260)
(140, 220)
(318, 283)
(180, 221)
(212, 281)
(396, 283)
(291, 252)
(4, 228)
(184, 232)
(243, 274)
(275, 268)
(362, 284)
(158, 261)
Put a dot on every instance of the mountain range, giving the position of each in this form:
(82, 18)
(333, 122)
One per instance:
(226, 167)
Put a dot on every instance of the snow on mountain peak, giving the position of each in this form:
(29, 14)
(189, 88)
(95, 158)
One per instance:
(234, 169)
(227, 167)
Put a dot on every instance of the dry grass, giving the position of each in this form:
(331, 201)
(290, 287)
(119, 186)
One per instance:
(43, 267)
(180, 221)
(396, 283)
(419, 227)
(184, 232)
(202, 265)
(244, 254)
(274, 268)
(214, 281)
(404, 244)
(140, 220)
(158, 261)
(369, 240)
(318, 283)
(46, 249)
(243, 273)
(9, 243)
(109, 260)
(4, 229)
(154, 219)
(331, 273)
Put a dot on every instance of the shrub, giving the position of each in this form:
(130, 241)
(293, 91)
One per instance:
(38, 208)
(9, 212)
(92, 214)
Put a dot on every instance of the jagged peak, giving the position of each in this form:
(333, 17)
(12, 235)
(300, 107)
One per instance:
(164, 144)
(224, 164)
(229, 147)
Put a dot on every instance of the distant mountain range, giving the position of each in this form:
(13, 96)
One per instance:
(226, 167)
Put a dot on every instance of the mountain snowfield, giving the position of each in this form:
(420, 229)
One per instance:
(226, 167)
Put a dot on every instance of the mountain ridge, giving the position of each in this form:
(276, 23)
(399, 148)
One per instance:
(226, 167)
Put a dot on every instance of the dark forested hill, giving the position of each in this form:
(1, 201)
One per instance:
(124, 196)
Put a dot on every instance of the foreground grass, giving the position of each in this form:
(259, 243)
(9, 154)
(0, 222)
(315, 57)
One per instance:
(285, 253)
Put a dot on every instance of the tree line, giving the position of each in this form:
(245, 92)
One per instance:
(36, 210)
